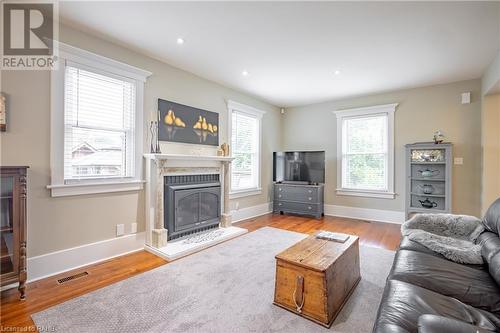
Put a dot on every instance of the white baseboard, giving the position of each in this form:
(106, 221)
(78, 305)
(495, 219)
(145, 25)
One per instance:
(378, 215)
(53, 263)
(250, 212)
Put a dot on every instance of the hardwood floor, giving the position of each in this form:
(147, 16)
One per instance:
(383, 235)
(48, 292)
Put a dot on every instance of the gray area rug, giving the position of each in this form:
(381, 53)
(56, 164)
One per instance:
(226, 288)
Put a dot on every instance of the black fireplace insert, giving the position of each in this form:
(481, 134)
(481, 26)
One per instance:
(191, 204)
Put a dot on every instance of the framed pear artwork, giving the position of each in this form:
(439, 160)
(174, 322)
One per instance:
(186, 124)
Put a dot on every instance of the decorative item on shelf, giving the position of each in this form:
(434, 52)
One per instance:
(427, 188)
(428, 204)
(158, 149)
(3, 113)
(220, 152)
(225, 149)
(153, 129)
(152, 126)
(427, 155)
(438, 137)
(428, 173)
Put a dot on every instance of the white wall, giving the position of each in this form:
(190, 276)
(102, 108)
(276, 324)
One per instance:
(491, 150)
(62, 223)
(421, 111)
(65, 222)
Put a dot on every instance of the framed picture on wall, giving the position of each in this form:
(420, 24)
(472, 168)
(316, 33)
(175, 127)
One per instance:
(3, 113)
(186, 124)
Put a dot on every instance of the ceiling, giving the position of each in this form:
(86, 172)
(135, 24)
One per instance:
(291, 50)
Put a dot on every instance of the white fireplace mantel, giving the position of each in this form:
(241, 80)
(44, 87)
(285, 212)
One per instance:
(182, 157)
(158, 166)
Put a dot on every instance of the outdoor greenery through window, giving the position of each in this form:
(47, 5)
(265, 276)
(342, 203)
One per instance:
(99, 111)
(365, 153)
(245, 150)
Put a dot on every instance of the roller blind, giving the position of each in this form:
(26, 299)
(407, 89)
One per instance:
(365, 152)
(99, 117)
(245, 150)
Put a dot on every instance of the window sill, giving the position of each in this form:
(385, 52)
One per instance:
(365, 193)
(245, 193)
(62, 190)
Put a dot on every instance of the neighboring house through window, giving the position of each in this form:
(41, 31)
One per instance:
(365, 151)
(97, 106)
(245, 131)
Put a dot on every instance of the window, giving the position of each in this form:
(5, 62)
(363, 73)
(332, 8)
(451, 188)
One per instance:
(365, 151)
(99, 116)
(245, 125)
(96, 124)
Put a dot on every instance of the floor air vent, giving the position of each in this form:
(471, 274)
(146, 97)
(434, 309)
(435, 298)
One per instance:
(72, 277)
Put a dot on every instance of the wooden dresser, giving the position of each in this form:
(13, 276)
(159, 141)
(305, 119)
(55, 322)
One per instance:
(13, 226)
(299, 199)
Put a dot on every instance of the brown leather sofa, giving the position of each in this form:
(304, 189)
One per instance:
(427, 293)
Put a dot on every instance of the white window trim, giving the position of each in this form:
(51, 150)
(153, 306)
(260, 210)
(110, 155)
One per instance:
(387, 109)
(58, 187)
(251, 111)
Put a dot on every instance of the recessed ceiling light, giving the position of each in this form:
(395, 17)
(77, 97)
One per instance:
(337, 72)
(244, 73)
(180, 41)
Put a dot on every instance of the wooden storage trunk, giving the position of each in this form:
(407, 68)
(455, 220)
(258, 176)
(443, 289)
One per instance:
(315, 277)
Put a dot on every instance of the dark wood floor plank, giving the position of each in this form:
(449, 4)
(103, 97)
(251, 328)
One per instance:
(47, 292)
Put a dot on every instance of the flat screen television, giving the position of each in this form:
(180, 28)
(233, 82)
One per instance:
(299, 166)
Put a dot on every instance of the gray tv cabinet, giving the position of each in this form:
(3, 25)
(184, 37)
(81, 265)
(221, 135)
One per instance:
(299, 199)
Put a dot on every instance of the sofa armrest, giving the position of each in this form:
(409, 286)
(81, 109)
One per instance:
(437, 324)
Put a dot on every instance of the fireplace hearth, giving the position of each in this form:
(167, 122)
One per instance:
(192, 204)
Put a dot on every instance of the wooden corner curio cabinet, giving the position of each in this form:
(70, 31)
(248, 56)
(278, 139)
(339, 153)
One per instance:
(13, 226)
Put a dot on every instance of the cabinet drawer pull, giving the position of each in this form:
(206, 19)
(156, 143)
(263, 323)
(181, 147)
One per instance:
(279, 189)
(309, 207)
(310, 191)
(310, 198)
(279, 196)
(279, 204)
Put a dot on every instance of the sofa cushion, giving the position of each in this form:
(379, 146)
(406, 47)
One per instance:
(471, 286)
(408, 244)
(403, 303)
(491, 219)
(437, 324)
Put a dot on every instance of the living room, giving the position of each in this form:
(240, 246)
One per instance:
(177, 166)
